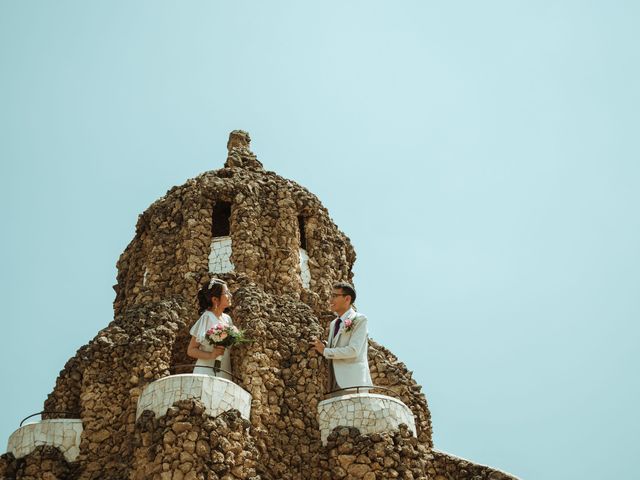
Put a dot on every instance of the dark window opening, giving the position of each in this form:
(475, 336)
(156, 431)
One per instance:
(221, 215)
(303, 236)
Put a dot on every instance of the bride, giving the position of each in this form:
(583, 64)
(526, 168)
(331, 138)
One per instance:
(212, 300)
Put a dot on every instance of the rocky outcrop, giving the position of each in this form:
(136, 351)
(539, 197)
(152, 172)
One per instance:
(44, 463)
(187, 444)
(377, 456)
(444, 466)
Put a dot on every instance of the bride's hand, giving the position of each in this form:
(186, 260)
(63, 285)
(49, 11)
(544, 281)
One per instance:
(218, 351)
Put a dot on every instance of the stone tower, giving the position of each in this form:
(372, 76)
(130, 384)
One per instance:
(280, 252)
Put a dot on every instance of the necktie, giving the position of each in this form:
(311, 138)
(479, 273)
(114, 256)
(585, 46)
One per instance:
(337, 327)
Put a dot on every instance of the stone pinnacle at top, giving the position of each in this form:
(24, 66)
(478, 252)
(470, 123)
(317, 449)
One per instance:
(239, 153)
(238, 138)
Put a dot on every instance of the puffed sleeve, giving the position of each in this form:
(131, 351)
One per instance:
(200, 328)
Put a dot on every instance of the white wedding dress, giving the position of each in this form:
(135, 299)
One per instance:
(199, 329)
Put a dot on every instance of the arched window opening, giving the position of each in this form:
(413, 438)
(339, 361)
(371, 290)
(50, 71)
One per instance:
(220, 256)
(305, 274)
(303, 235)
(220, 223)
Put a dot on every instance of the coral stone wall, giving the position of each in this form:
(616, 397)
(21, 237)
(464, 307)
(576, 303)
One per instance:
(159, 274)
(284, 379)
(376, 456)
(44, 463)
(444, 466)
(188, 444)
(133, 350)
(174, 236)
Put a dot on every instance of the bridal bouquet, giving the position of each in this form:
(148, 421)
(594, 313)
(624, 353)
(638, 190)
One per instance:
(225, 335)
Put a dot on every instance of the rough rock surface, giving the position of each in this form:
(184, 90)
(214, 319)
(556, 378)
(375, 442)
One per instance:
(377, 456)
(159, 274)
(44, 463)
(187, 444)
(449, 467)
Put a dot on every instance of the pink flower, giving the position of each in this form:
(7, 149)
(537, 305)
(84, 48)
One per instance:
(225, 333)
(348, 324)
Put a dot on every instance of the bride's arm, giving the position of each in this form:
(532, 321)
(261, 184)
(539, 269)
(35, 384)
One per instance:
(193, 350)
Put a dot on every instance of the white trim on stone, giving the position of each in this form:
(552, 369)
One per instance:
(62, 433)
(220, 256)
(368, 412)
(217, 394)
(305, 273)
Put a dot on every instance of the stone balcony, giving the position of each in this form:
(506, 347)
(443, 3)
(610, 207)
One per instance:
(217, 394)
(64, 434)
(368, 412)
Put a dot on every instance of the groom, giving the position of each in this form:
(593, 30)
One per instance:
(346, 348)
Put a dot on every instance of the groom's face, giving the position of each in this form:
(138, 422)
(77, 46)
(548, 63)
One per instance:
(339, 302)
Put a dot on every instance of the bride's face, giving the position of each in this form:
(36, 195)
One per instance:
(225, 299)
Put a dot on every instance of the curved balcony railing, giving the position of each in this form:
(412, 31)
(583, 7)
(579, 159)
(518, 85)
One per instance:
(368, 412)
(356, 389)
(216, 393)
(214, 369)
(62, 433)
(69, 415)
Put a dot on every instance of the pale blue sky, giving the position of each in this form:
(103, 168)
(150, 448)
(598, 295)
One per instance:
(482, 157)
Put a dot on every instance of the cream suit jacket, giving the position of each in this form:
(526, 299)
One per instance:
(348, 352)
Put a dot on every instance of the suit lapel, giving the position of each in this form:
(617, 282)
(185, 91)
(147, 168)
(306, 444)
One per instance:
(334, 341)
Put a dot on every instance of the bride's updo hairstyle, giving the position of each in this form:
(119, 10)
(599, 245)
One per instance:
(209, 290)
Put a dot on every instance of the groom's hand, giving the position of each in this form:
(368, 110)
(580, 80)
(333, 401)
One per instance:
(318, 345)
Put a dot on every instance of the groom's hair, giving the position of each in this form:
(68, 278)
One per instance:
(347, 289)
